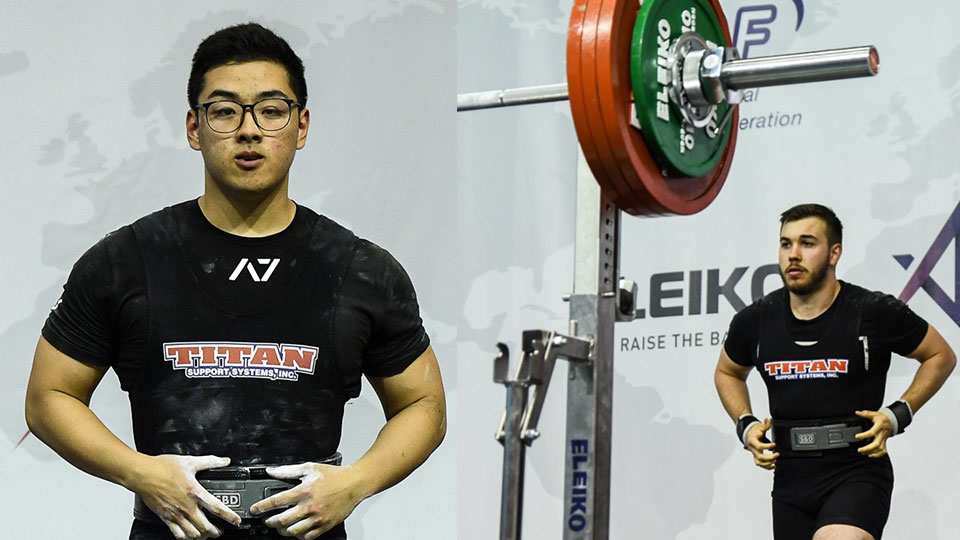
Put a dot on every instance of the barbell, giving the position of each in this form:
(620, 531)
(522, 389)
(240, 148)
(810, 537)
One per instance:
(653, 88)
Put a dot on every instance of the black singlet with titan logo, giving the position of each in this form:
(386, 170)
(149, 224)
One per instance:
(829, 366)
(239, 347)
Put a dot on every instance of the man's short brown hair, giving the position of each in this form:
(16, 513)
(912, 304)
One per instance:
(801, 211)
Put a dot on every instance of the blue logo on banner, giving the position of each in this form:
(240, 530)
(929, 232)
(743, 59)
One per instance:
(757, 20)
(921, 278)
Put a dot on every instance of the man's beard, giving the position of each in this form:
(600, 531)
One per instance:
(817, 276)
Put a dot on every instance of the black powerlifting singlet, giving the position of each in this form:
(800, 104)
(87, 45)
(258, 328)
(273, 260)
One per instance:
(258, 387)
(828, 379)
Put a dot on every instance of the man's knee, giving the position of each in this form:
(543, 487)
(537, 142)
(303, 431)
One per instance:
(842, 532)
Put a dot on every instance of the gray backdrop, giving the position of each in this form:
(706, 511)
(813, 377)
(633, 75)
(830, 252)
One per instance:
(881, 152)
(93, 134)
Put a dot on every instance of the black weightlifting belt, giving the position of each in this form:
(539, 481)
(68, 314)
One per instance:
(239, 488)
(811, 438)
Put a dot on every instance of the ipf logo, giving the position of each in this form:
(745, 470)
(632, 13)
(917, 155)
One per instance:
(921, 278)
(753, 25)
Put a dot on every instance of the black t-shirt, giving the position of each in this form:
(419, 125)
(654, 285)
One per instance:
(102, 317)
(814, 371)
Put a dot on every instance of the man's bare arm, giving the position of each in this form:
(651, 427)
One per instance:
(730, 379)
(58, 413)
(415, 408)
(937, 361)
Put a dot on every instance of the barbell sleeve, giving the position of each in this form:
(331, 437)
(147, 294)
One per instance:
(828, 65)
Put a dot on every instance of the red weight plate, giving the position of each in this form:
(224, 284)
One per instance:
(574, 32)
(577, 106)
(649, 191)
(582, 88)
(613, 75)
(590, 55)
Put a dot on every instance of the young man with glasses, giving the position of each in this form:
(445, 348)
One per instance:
(823, 349)
(239, 323)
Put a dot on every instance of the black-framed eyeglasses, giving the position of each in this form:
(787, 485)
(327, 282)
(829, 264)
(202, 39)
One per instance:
(225, 116)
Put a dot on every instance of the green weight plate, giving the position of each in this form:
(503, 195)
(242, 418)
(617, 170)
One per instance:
(681, 148)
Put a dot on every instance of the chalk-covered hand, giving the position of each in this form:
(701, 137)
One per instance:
(327, 494)
(170, 488)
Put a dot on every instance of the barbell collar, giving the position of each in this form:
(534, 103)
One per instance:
(828, 65)
(492, 99)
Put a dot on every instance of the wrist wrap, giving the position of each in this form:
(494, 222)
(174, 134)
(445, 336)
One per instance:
(899, 414)
(744, 424)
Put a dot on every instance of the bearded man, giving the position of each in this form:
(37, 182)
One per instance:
(823, 347)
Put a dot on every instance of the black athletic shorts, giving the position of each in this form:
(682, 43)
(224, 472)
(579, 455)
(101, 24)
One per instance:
(842, 487)
(143, 530)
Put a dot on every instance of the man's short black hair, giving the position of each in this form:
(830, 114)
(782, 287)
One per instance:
(801, 211)
(248, 42)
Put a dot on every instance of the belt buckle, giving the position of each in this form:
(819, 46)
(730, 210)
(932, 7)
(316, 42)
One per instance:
(826, 437)
(804, 438)
(836, 435)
